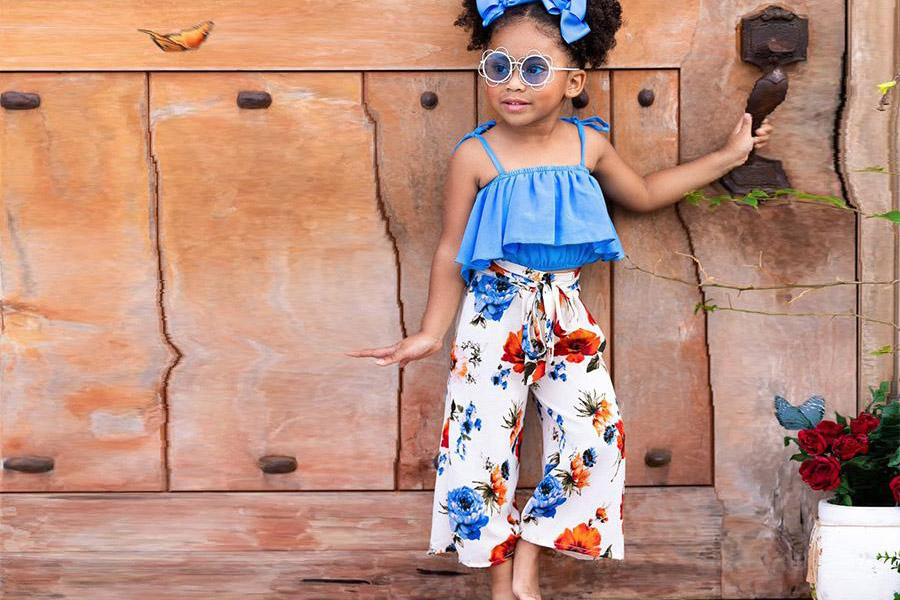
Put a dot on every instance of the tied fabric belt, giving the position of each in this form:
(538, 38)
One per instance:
(548, 298)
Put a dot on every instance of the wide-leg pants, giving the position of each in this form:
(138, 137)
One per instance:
(519, 329)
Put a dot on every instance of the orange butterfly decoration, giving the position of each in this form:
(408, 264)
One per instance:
(179, 41)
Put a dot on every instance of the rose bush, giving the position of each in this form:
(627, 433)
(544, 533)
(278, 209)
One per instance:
(858, 459)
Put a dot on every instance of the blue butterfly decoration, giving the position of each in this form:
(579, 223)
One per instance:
(805, 416)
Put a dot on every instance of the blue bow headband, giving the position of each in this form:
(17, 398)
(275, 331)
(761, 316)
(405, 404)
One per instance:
(571, 21)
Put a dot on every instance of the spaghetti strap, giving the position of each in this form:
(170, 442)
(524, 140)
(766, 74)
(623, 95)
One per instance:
(595, 122)
(476, 133)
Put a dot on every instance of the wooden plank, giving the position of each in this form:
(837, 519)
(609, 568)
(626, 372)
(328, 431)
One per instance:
(323, 544)
(865, 140)
(268, 248)
(82, 347)
(660, 362)
(768, 509)
(413, 146)
(290, 34)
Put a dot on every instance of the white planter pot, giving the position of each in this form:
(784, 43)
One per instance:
(841, 563)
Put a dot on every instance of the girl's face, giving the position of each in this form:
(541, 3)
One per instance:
(519, 38)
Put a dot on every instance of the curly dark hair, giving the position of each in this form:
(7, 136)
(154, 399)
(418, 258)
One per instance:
(604, 17)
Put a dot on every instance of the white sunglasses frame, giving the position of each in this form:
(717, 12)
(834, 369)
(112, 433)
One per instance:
(516, 65)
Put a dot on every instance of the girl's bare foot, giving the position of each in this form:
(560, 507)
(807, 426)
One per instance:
(525, 583)
(501, 581)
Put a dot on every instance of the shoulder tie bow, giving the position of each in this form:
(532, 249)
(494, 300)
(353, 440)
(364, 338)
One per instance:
(571, 20)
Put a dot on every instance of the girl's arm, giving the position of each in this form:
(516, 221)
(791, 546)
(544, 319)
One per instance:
(667, 186)
(445, 284)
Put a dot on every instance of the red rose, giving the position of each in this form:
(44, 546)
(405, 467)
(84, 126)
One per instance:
(848, 446)
(864, 423)
(863, 440)
(821, 472)
(812, 441)
(895, 488)
(830, 429)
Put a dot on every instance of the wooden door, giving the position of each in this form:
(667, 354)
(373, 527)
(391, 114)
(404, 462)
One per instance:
(181, 276)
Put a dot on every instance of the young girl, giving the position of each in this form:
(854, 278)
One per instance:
(523, 211)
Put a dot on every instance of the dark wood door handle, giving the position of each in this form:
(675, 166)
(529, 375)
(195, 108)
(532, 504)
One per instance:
(770, 39)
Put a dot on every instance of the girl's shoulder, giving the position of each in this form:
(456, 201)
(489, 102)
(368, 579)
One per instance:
(480, 129)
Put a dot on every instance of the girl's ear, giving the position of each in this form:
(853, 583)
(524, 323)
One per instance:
(577, 80)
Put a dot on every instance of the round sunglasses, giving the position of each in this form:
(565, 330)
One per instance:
(535, 70)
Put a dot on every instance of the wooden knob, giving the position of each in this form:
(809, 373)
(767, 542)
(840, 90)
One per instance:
(29, 464)
(657, 457)
(254, 99)
(20, 100)
(277, 464)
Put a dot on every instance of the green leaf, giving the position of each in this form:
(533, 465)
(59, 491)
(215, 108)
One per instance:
(883, 350)
(841, 420)
(892, 215)
(801, 456)
(895, 460)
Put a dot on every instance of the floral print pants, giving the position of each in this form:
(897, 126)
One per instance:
(520, 329)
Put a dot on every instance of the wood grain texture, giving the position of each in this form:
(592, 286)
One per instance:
(289, 34)
(768, 509)
(322, 545)
(414, 144)
(271, 236)
(662, 373)
(82, 351)
(867, 138)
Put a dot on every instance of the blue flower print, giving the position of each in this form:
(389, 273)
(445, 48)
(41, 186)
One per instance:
(493, 296)
(465, 508)
(548, 495)
(609, 434)
(562, 432)
(589, 457)
(559, 371)
(500, 378)
(466, 428)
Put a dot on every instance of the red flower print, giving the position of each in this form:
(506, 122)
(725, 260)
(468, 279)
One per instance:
(830, 429)
(821, 472)
(848, 446)
(504, 551)
(864, 423)
(620, 439)
(515, 355)
(583, 539)
(601, 514)
(445, 436)
(576, 345)
(812, 441)
(895, 488)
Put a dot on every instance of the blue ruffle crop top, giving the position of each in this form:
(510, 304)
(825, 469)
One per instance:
(549, 217)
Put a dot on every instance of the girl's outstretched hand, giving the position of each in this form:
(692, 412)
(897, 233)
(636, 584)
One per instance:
(741, 142)
(419, 345)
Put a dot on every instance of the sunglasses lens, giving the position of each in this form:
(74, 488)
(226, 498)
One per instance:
(497, 67)
(535, 70)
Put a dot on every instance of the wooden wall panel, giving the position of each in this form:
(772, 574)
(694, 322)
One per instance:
(323, 545)
(82, 351)
(661, 361)
(292, 34)
(413, 146)
(870, 137)
(262, 231)
(768, 508)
